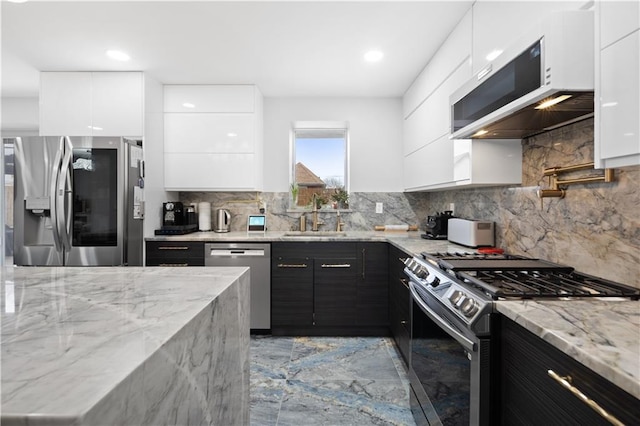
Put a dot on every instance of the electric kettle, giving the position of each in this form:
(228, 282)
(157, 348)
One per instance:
(222, 220)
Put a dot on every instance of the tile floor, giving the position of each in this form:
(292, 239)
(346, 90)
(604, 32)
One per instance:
(328, 381)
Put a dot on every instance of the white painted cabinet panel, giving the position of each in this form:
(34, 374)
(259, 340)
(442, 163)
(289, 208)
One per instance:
(218, 147)
(617, 141)
(91, 103)
(455, 51)
(65, 104)
(209, 98)
(496, 24)
(429, 167)
(206, 132)
(205, 172)
(617, 20)
(117, 103)
(487, 162)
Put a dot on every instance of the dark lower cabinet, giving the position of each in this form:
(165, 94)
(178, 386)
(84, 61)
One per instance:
(174, 253)
(529, 395)
(372, 290)
(291, 291)
(399, 301)
(329, 288)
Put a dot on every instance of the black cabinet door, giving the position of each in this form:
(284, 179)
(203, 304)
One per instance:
(335, 291)
(372, 286)
(291, 292)
(529, 395)
(399, 301)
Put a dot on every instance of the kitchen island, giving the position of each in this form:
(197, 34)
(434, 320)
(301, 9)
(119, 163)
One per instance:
(125, 345)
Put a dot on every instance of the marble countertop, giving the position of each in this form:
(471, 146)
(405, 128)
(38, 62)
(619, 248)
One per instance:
(71, 335)
(409, 241)
(604, 335)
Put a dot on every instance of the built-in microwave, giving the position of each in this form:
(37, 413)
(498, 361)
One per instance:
(543, 80)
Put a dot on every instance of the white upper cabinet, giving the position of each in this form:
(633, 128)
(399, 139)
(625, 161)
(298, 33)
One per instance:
(617, 19)
(214, 143)
(617, 91)
(209, 98)
(91, 104)
(117, 99)
(496, 24)
(65, 104)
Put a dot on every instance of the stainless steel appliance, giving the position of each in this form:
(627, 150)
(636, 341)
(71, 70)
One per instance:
(258, 258)
(452, 299)
(554, 60)
(223, 221)
(78, 201)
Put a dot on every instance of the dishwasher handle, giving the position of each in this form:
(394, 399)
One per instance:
(239, 252)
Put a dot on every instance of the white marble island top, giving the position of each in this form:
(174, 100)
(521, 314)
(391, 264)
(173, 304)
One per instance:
(70, 336)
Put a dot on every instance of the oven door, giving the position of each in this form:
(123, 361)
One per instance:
(449, 366)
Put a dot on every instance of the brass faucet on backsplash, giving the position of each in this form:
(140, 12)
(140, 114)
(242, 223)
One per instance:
(554, 182)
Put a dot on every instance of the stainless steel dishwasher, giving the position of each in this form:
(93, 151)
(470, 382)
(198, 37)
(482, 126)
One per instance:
(258, 258)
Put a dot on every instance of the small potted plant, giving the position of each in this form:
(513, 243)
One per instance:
(294, 194)
(341, 197)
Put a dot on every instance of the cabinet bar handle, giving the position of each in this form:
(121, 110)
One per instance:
(173, 264)
(565, 382)
(336, 265)
(173, 248)
(364, 261)
(292, 265)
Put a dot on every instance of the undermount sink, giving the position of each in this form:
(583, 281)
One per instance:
(310, 234)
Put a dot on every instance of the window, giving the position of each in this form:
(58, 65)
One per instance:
(319, 164)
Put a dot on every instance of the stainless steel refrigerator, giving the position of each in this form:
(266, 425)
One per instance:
(78, 201)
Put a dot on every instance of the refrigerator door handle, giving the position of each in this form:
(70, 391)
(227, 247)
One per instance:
(53, 200)
(64, 197)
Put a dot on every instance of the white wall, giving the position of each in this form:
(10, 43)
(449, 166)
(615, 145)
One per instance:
(375, 134)
(153, 145)
(20, 116)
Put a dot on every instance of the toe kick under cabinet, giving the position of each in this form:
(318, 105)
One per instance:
(328, 288)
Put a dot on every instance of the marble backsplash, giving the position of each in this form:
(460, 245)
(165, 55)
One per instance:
(595, 228)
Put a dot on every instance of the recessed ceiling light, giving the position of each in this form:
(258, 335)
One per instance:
(373, 56)
(232, 135)
(188, 105)
(117, 55)
(17, 1)
(493, 54)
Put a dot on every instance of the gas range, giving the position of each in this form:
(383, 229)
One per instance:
(467, 284)
(505, 276)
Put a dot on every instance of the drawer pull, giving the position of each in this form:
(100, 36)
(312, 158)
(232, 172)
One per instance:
(173, 248)
(173, 264)
(565, 382)
(292, 265)
(336, 265)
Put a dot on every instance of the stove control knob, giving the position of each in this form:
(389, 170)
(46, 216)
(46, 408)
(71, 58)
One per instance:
(469, 307)
(455, 297)
(422, 273)
(435, 282)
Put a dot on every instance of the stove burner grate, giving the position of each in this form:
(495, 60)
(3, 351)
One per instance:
(541, 284)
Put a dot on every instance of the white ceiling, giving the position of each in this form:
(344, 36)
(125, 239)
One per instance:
(294, 48)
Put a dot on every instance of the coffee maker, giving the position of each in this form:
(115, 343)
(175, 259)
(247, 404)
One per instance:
(437, 225)
(177, 219)
(173, 213)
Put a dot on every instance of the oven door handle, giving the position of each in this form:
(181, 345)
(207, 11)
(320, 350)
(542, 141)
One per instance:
(464, 341)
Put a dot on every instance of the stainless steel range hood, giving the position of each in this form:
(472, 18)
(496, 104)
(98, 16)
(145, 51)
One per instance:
(508, 98)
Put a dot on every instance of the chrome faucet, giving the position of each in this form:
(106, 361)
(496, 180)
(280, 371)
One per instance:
(316, 222)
